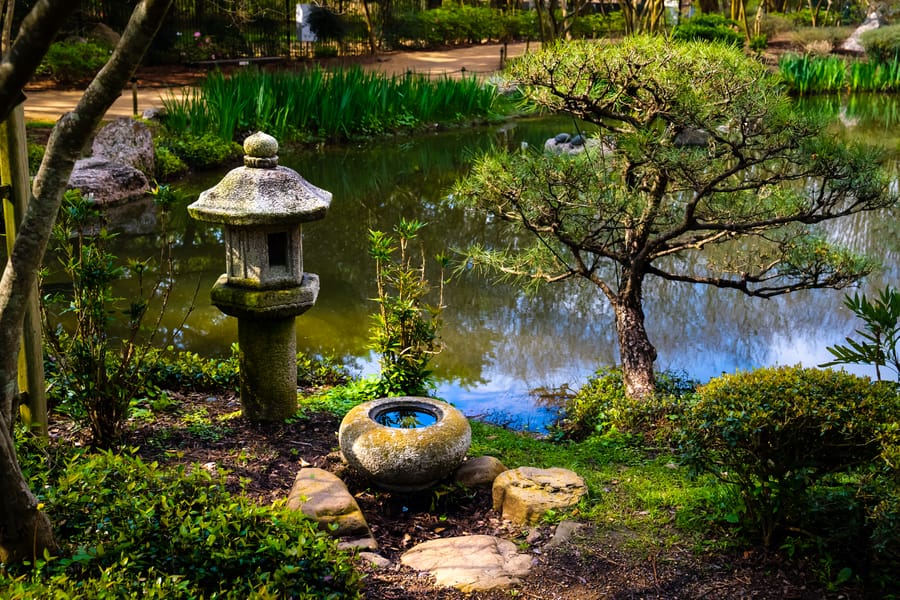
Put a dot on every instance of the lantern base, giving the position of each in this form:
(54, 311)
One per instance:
(242, 302)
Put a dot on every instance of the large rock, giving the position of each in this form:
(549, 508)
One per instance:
(109, 182)
(526, 494)
(324, 498)
(470, 563)
(126, 141)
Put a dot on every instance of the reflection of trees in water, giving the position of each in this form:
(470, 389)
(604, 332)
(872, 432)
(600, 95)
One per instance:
(494, 332)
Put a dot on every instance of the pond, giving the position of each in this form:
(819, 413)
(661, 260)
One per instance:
(506, 353)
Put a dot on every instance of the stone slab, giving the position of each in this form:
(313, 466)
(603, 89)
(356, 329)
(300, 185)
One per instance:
(470, 563)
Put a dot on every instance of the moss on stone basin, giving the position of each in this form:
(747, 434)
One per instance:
(405, 459)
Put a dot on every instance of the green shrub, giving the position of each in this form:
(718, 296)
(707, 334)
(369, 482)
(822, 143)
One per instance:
(73, 62)
(168, 165)
(882, 44)
(601, 406)
(133, 529)
(324, 51)
(99, 372)
(775, 433)
(204, 151)
(711, 28)
(190, 371)
(758, 43)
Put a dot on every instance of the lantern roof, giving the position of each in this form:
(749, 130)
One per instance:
(261, 192)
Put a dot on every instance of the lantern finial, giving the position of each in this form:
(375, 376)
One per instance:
(261, 151)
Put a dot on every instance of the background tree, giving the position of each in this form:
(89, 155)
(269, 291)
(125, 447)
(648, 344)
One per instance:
(24, 530)
(705, 175)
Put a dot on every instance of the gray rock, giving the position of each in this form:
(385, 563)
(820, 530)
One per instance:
(479, 471)
(691, 137)
(108, 182)
(852, 44)
(565, 530)
(376, 560)
(126, 141)
(470, 563)
(153, 114)
(324, 498)
(526, 494)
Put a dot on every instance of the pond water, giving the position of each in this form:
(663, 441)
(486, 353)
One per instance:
(505, 351)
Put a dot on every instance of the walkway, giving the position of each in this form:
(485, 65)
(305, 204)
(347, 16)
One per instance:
(481, 60)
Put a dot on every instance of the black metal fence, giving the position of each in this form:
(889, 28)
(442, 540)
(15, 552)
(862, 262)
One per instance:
(201, 30)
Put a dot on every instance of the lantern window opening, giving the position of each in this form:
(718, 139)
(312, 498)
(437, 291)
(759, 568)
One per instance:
(277, 243)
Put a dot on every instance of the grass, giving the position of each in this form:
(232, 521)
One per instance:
(630, 486)
(338, 104)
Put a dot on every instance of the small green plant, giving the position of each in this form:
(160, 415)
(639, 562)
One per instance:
(882, 44)
(89, 366)
(776, 433)
(405, 334)
(168, 165)
(199, 151)
(880, 343)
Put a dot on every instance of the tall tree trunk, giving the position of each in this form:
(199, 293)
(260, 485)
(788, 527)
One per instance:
(635, 349)
(24, 530)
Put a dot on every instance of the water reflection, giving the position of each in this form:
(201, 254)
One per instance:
(500, 342)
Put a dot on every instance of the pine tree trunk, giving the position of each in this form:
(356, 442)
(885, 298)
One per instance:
(636, 351)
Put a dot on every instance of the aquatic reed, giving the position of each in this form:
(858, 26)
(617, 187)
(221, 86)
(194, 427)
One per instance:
(823, 74)
(336, 104)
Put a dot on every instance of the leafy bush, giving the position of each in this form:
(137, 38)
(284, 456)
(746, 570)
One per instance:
(601, 406)
(711, 28)
(73, 62)
(190, 371)
(882, 44)
(134, 529)
(774, 433)
(35, 156)
(203, 151)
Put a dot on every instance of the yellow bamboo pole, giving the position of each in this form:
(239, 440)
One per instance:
(14, 177)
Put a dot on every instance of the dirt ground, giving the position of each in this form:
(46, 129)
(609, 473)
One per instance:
(600, 564)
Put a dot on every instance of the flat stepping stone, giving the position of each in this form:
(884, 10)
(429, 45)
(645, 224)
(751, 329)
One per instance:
(470, 563)
(526, 494)
(323, 497)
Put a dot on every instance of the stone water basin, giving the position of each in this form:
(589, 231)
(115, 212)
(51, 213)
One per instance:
(405, 444)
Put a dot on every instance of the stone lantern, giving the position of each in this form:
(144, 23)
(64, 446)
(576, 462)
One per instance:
(261, 206)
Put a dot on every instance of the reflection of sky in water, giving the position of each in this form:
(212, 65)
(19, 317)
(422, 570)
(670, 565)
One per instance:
(501, 343)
